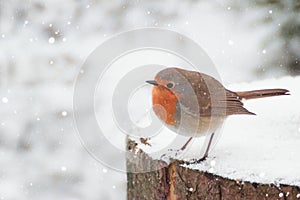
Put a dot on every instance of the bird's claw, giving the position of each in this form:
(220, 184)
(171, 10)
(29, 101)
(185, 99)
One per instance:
(194, 161)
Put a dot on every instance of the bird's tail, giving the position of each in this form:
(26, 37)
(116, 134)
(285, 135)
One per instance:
(255, 94)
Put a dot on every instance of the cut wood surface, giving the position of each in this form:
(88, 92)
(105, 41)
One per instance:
(176, 182)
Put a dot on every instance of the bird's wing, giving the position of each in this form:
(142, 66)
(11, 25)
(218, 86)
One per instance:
(213, 98)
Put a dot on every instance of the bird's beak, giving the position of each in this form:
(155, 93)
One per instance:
(152, 82)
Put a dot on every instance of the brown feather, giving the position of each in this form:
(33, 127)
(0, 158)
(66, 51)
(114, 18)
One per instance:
(234, 104)
(255, 94)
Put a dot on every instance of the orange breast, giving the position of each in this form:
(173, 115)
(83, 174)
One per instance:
(164, 104)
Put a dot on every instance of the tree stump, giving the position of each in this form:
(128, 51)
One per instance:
(175, 182)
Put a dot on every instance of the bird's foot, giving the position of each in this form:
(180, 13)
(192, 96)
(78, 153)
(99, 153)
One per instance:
(195, 161)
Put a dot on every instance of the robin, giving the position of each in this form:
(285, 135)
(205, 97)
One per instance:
(194, 104)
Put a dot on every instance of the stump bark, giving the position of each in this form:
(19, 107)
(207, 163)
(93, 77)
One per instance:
(175, 182)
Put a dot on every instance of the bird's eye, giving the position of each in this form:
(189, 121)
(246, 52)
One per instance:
(170, 85)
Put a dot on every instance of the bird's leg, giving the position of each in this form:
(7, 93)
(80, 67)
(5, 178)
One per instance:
(185, 145)
(207, 149)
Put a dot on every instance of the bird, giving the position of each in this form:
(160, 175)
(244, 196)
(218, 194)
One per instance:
(194, 104)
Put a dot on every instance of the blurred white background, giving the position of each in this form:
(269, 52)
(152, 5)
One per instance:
(44, 43)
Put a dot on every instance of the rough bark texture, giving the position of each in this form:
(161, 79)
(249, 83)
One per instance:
(150, 185)
(174, 182)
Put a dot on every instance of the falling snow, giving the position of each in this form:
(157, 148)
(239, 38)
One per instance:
(51, 40)
(4, 100)
(63, 168)
(230, 42)
(64, 113)
(280, 194)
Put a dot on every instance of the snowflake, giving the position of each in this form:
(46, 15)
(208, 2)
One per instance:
(63, 168)
(64, 113)
(280, 194)
(230, 42)
(4, 100)
(51, 40)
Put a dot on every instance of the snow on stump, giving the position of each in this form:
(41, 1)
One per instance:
(175, 181)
